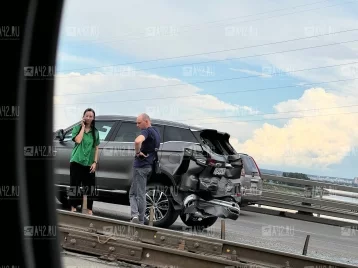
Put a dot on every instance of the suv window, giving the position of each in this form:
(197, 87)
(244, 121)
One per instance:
(104, 127)
(68, 135)
(178, 134)
(227, 147)
(249, 164)
(129, 131)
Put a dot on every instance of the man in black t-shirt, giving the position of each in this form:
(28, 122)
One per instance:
(145, 151)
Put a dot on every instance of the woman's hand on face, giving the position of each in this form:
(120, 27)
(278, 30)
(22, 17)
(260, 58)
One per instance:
(93, 167)
(83, 123)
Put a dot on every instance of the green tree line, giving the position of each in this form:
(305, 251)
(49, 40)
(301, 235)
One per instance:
(295, 175)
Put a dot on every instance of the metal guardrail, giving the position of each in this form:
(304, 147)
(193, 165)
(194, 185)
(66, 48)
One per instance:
(310, 183)
(159, 247)
(309, 197)
(341, 193)
(286, 186)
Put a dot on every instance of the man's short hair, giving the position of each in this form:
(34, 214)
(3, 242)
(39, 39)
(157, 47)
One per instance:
(145, 116)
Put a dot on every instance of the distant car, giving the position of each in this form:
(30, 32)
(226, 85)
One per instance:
(251, 183)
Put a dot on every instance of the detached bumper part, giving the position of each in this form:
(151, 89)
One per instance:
(219, 211)
(218, 208)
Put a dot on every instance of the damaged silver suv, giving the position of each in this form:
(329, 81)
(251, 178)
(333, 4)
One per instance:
(198, 175)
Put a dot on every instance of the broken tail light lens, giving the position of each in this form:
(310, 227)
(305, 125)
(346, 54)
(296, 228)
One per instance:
(257, 166)
(211, 162)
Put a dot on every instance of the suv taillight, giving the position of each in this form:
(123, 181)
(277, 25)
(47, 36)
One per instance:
(242, 172)
(257, 167)
(211, 162)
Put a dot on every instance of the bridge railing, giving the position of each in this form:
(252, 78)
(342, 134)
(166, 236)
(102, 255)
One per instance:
(308, 196)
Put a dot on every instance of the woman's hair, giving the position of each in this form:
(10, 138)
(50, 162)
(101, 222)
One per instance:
(93, 124)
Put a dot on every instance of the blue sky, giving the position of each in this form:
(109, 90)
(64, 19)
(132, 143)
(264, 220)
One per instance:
(199, 71)
(120, 34)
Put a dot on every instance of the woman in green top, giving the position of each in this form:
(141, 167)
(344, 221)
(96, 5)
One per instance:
(83, 161)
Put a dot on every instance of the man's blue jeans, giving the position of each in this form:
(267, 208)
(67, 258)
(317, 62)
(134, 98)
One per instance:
(137, 193)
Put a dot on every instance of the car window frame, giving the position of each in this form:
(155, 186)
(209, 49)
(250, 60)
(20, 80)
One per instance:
(119, 126)
(109, 135)
(248, 164)
(186, 129)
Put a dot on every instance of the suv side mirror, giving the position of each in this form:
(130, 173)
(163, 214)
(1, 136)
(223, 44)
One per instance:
(60, 135)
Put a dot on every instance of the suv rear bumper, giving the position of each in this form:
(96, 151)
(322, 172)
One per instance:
(248, 199)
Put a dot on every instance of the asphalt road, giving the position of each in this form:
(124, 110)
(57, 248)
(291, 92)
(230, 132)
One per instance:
(276, 233)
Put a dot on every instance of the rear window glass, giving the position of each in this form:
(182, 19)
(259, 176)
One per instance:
(213, 145)
(217, 143)
(249, 164)
(227, 147)
(178, 134)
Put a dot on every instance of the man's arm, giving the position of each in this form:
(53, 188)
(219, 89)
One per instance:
(138, 141)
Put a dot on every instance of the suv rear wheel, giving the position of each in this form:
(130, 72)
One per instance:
(193, 222)
(159, 196)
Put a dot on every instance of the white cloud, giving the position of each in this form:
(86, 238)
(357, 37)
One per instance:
(314, 141)
(251, 72)
(315, 102)
(72, 98)
(159, 31)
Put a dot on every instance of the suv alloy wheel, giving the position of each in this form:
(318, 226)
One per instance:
(159, 196)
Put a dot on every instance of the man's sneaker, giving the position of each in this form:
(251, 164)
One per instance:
(135, 220)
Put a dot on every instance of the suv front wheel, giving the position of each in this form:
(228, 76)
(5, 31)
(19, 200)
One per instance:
(159, 196)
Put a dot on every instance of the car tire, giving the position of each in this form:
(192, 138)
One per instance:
(171, 214)
(205, 223)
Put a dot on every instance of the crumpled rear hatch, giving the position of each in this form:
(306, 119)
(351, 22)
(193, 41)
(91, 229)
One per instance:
(219, 143)
(200, 177)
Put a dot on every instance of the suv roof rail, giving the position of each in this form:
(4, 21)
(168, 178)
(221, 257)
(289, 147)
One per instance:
(134, 118)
